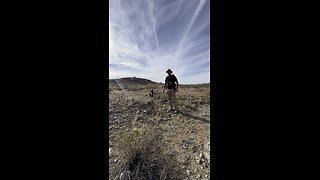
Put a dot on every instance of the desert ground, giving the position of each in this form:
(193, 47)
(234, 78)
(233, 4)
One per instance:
(147, 141)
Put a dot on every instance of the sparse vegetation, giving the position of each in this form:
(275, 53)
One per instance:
(153, 142)
(140, 149)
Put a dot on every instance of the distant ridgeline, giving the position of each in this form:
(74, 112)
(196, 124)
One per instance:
(123, 83)
(127, 81)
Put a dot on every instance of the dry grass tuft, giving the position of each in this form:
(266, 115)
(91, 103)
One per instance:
(140, 149)
(139, 102)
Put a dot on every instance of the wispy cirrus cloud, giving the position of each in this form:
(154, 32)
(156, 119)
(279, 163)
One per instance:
(146, 37)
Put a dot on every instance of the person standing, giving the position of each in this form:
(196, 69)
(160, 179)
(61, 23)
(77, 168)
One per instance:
(172, 85)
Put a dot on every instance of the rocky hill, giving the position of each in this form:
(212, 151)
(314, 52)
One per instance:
(127, 81)
(145, 137)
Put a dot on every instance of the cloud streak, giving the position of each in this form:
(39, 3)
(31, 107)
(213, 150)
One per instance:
(146, 37)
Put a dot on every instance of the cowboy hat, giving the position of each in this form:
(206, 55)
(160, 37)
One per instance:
(169, 71)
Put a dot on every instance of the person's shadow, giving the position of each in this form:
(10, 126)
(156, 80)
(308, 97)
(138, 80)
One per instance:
(194, 117)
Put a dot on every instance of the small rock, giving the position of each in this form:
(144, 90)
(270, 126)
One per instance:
(187, 159)
(208, 146)
(206, 155)
(145, 111)
(198, 160)
(185, 146)
(188, 172)
(201, 155)
(204, 165)
(137, 112)
(116, 160)
(195, 170)
(198, 176)
(202, 160)
(194, 149)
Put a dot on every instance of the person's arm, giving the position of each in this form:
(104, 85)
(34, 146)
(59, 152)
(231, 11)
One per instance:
(177, 85)
(165, 86)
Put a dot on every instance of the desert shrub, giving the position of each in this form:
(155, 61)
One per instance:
(140, 102)
(140, 149)
(187, 105)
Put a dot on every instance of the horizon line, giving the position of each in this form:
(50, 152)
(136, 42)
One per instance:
(156, 81)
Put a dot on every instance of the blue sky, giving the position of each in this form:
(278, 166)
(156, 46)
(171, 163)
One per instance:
(146, 37)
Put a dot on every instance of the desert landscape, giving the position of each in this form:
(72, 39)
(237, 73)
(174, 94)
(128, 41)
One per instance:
(147, 141)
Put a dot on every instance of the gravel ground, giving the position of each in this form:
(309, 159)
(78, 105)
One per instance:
(186, 134)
